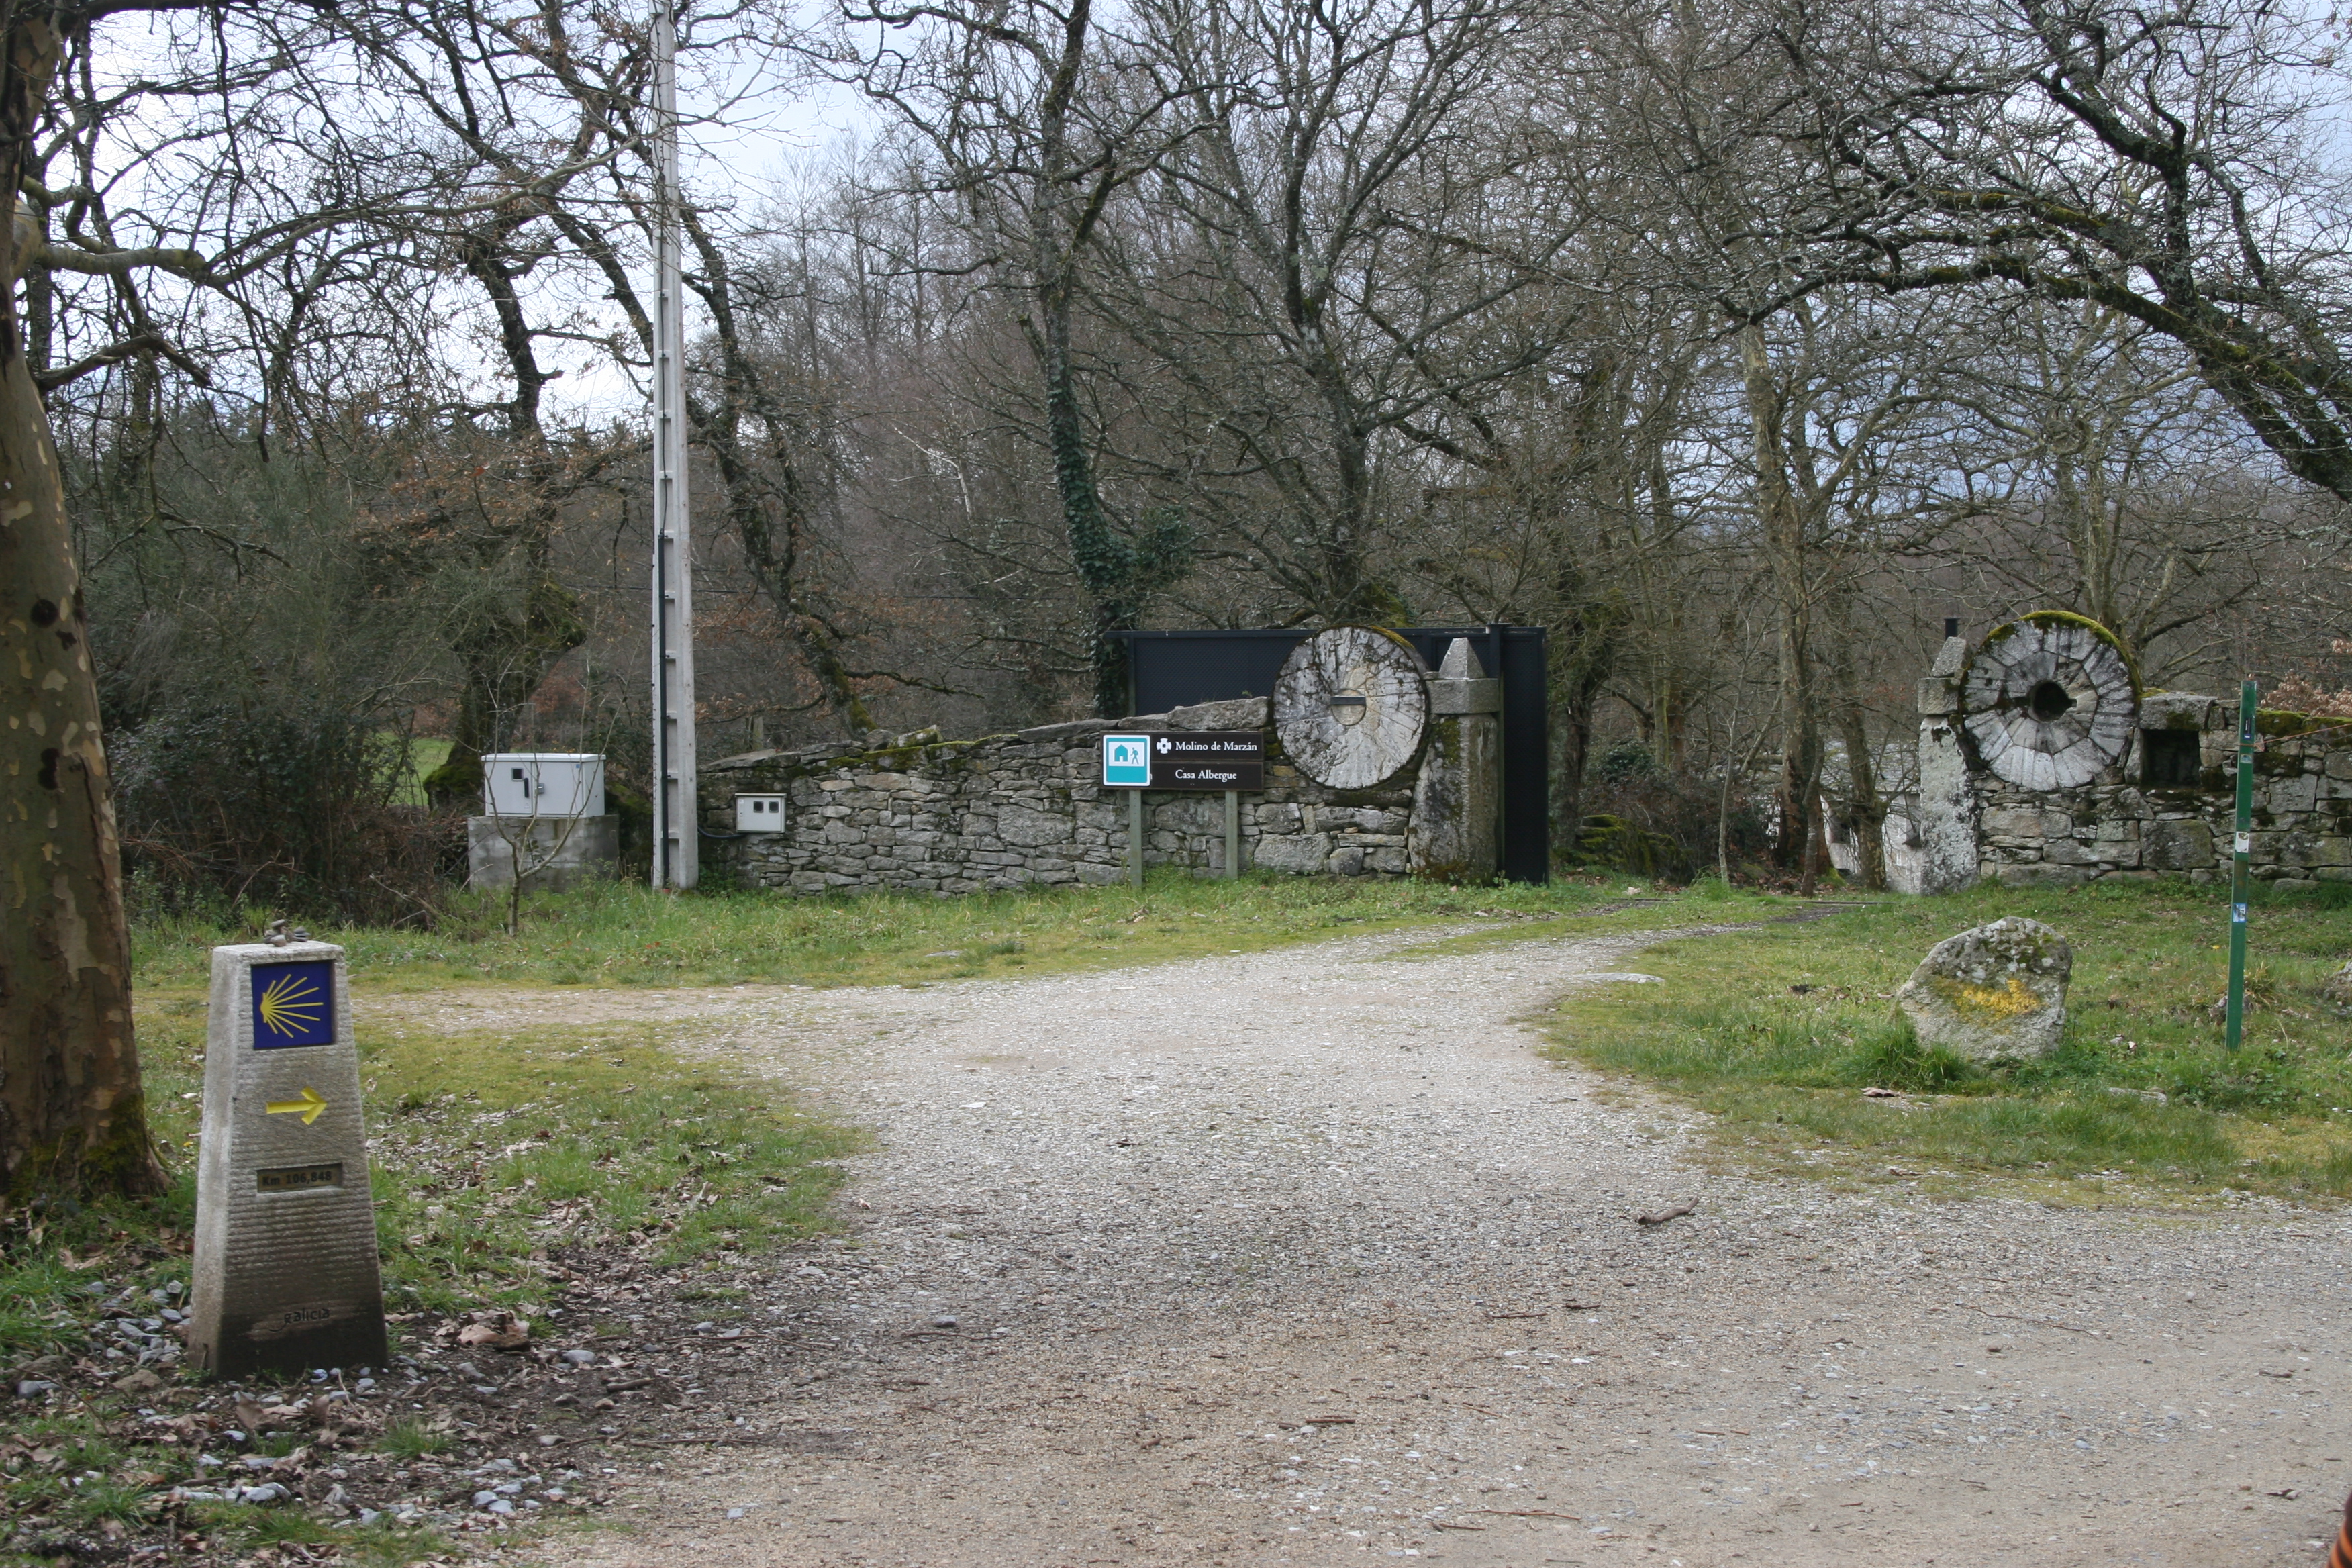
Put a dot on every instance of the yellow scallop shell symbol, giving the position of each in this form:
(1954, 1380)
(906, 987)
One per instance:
(290, 1004)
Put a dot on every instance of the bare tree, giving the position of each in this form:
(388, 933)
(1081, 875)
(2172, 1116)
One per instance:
(71, 1112)
(2173, 167)
(2110, 480)
(1337, 267)
(1034, 121)
(1846, 447)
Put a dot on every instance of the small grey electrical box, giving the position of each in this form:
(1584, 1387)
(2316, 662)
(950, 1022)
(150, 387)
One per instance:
(759, 813)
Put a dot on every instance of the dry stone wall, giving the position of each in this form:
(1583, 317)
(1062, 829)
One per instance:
(1010, 811)
(2119, 829)
(2167, 807)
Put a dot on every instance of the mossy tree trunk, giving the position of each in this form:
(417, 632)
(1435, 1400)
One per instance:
(72, 1113)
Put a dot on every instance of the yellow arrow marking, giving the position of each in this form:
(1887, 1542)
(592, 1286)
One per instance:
(306, 1107)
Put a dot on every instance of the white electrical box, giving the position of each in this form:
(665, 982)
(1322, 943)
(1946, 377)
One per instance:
(759, 813)
(543, 784)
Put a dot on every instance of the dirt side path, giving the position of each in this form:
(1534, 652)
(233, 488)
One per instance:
(1305, 1256)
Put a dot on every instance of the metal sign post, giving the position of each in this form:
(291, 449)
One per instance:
(1194, 760)
(285, 1276)
(677, 858)
(2241, 851)
(1135, 838)
(1126, 764)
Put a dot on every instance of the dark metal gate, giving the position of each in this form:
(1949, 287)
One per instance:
(1174, 670)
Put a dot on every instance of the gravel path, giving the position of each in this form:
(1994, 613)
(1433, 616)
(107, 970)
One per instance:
(1305, 1257)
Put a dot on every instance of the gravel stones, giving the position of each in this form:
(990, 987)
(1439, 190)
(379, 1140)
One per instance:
(1338, 1180)
(1997, 990)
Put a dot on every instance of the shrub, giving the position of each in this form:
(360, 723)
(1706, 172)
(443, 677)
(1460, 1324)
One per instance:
(235, 798)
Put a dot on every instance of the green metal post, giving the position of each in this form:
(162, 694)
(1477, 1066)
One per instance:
(1232, 834)
(2240, 848)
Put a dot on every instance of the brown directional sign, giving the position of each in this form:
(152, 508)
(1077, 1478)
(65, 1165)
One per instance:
(1208, 759)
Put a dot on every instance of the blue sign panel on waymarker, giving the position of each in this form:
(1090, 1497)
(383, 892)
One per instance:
(1126, 761)
(293, 1004)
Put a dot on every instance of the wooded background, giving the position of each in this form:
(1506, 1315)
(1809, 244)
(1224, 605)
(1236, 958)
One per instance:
(1737, 342)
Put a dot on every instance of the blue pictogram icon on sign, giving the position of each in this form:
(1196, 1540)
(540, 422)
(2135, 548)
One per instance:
(1126, 761)
(293, 1004)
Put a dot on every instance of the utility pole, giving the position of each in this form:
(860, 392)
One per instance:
(676, 820)
(2240, 848)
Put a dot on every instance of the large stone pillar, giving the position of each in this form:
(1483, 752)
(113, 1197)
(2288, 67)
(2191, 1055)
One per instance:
(1947, 804)
(1456, 831)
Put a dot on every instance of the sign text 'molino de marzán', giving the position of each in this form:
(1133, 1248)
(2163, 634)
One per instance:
(1186, 759)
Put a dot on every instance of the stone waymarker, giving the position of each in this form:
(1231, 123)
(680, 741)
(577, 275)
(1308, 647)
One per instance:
(286, 1273)
(1996, 990)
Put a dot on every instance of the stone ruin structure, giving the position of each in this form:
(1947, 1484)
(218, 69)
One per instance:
(1418, 791)
(2041, 760)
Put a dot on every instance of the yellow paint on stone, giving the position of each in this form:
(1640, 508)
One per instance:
(1988, 1003)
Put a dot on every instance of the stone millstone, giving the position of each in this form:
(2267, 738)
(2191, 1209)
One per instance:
(1352, 706)
(2049, 701)
(1997, 989)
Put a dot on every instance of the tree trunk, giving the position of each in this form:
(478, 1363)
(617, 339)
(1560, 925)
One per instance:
(72, 1112)
(1781, 523)
(1584, 656)
(1104, 564)
(1812, 813)
(505, 650)
(1059, 223)
(1869, 810)
(772, 554)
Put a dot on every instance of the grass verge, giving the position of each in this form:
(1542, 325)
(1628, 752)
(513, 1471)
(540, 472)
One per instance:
(1778, 1030)
(496, 1159)
(620, 934)
(490, 1148)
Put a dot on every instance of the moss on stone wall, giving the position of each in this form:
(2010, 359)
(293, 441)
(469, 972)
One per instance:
(2069, 618)
(2286, 722)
